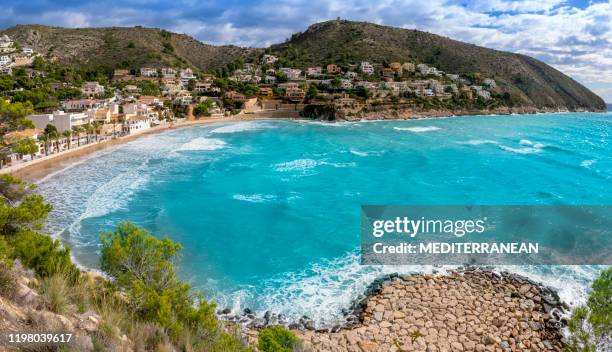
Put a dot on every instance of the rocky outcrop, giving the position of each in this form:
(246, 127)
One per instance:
(25, 311)
(473, 310)
(390, 112)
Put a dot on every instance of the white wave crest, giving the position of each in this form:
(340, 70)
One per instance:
(521, 150)
(479, 142)
(418, 129)
(254, 198)
(534, 144)
(529, 147)
(325, 289)
(242, 127)
(587, 163)
(202, 143)
(358, 153)
(302, 165)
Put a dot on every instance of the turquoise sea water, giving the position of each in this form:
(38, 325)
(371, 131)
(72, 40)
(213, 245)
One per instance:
(268, 211)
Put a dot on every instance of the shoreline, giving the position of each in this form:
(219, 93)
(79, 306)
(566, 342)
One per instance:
(47, 166)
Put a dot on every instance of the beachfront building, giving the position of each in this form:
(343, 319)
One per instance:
(137, 124)
(15, 136)
(61, 120)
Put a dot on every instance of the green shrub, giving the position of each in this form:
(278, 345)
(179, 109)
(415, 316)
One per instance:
(277, 339)
(590, 326)
(44, 255)
(145, 268)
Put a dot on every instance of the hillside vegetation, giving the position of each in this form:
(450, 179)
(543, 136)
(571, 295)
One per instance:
(121, 47)
(529, 81)
(534, 82)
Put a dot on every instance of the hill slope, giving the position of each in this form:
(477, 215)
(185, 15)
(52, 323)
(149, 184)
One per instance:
(345, 41)
(125, 47)
(531, 81)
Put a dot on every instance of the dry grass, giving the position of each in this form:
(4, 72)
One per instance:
(8, 281)
(55, 292)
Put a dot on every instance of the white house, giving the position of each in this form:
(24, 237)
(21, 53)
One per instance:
(148, 72)
(28, 51)
(5, 44)
(187, 75)
(350, 74)
(292, 73)
(268, 59)
(61, 120)
(366, 68)
(314, 71)
(92, 89)
(137, 124)
(168, 72)
(489, 82)
(269, 79)
(5, 60)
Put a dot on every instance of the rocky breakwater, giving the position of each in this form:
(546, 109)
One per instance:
(474, 310)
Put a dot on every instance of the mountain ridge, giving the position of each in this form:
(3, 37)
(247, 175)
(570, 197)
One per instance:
(530, 81)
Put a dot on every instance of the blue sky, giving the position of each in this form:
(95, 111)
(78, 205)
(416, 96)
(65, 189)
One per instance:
(573, 36)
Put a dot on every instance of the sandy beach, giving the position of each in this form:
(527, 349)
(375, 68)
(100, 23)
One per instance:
(40, 168)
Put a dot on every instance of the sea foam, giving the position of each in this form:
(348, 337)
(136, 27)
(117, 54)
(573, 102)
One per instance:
(202, 143)
(418, 129)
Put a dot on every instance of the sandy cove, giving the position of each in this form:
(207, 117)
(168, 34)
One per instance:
(42, 167)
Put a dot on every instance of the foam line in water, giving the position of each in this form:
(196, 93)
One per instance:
(418, 129)
(202, 143)
(242, 127)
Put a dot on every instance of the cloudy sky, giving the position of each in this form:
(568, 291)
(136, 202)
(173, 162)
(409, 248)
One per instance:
(573, 36)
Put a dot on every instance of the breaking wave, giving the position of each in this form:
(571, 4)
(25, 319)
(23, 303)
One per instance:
(418, 129)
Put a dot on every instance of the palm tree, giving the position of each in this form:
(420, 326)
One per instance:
(45, 139)
(78, 130)
(96, 126)
(88, 130)
(68, 135)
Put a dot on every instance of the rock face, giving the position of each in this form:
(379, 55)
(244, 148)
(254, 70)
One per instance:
(24, 311)
(469, 311)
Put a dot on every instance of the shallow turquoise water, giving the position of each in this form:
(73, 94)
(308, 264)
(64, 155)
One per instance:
(268, 212)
